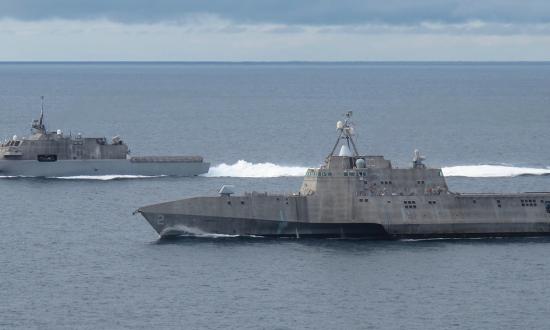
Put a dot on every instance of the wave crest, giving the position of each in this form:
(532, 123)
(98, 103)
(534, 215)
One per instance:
(492, 171)
(244, 169)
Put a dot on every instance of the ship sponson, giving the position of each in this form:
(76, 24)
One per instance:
(358, 196)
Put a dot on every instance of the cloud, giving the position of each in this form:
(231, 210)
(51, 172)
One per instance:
(212, 38)
(286, 12)
(275, 30)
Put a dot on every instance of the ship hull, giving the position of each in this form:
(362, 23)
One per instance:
(171, 225)
(63, 168)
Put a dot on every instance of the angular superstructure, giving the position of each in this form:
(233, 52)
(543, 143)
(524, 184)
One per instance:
(359, 196)
(53, 154)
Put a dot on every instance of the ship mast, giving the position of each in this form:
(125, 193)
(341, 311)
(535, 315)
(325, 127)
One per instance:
(345, 132)
(38, 124)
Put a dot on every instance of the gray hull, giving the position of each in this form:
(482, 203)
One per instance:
(177, 225)
(63, 168)
(168, 225)
(383, 217)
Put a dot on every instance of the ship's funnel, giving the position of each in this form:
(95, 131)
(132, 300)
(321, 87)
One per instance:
(344, 151)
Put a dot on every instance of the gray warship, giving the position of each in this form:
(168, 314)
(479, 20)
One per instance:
(358, 196)
(54, 154)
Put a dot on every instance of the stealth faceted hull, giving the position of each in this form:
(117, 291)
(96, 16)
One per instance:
(176, 225)
(353, 195)
(384, 217)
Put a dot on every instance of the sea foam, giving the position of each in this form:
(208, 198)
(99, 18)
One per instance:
(244, 169)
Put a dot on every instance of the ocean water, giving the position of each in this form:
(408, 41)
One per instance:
(72, 255)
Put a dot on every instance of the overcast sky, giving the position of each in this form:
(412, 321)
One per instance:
(269, 30)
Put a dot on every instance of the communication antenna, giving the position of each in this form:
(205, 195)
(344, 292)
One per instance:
(346, 131)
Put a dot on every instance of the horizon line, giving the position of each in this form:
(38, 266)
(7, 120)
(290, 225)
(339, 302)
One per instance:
(276, 62)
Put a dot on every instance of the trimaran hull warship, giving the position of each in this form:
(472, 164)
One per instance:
(54, 154)
(358, 196)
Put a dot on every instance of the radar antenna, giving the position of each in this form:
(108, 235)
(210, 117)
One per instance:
(38, 124)
(346, 132)
(418, 159)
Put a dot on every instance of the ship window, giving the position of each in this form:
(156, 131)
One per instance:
(329, 173)
(242, 202)
(351, 173)
(474, 201)
(228, 202)
(360, 199)
(345, 173)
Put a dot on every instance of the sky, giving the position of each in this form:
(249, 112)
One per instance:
(274, 30)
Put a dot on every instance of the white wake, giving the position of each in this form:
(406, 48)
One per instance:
(105, 177)
(492, 171)
(244, 169)
(87, 177)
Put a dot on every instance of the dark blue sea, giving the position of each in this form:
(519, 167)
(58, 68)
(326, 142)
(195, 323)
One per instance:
(72, 255)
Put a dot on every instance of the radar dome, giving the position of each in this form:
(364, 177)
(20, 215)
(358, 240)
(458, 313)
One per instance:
(360, 163)
(344, 151)
(339, 125)
(227, 190)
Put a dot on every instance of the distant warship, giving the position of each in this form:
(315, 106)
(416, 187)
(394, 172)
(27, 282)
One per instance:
(54, 154)
(358, 196)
